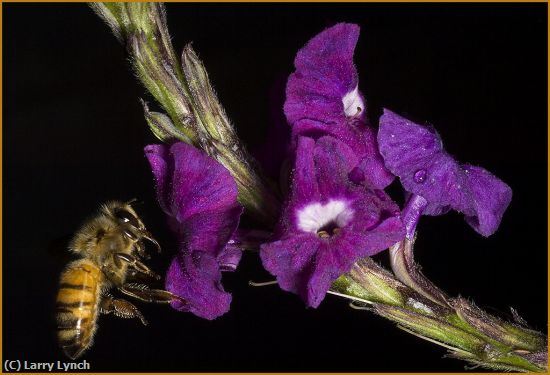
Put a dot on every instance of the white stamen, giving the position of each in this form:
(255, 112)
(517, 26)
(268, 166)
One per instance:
(316, 215)
(353, 104)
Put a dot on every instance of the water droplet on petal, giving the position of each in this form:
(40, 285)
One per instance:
(420, 176)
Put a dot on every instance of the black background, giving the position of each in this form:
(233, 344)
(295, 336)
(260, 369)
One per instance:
(73, 134)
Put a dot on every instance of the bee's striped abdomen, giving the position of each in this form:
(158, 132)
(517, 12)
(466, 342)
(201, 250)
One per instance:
(76, 307)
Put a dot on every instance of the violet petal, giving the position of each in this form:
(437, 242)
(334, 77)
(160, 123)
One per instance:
(325, 73)
(199, 197)
(196, 277)
(323, 198)
(323, 98)
(189, 181)
(415, 153)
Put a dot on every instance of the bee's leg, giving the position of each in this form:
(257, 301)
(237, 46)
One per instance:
(149, 237)
(134, 263)
(120, 308)
(140, 249)
(133, 276)
(143, 293)
(111, 274)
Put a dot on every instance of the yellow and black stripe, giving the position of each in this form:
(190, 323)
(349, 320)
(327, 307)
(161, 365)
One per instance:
(76, 307)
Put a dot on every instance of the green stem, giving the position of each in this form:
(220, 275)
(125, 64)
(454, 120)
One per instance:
(184, 90)
(465, 330)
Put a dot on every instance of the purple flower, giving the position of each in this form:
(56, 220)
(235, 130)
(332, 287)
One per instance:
(323, 98)
(415, 153)
(329, 222)
(200, 198)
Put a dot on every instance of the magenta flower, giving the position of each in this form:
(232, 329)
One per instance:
(415, 153)
(323, 98)
(329, 221)
(200, 198)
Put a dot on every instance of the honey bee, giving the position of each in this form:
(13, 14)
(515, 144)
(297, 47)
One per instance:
(110, 247)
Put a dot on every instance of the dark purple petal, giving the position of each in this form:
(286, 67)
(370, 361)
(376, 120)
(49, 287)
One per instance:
(370, 232)
(325, 268)
(196, 191)
(323, 99)
(330, 53)
(321, 170)
(334, 160)
(291, 260)
(492, 198)
(163, 168)
(376, 213)
(325, 73)
(196, 277)
(305, 186)
(368, 221)
(200, 198)
(371, 171)
(307, 265)
(210, 231)
(189, 181)
(415, 153)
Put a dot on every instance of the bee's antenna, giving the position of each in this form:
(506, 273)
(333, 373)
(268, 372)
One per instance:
(135, 202)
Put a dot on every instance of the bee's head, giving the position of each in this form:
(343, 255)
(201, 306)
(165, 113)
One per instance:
(123, 213)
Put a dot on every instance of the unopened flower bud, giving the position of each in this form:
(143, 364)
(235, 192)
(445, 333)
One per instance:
(163, 128)
(369, 281)
(213, 118)
(433, 328)
(114, 15)
(517, 337)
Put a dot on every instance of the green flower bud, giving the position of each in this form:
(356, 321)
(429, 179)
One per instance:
(163, 128)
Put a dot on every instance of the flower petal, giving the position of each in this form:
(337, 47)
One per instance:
(377, 221)
(197, 183)
(492, 198)
(160, 161)
(415, 153)
(325, 73)
(323, 98)
(305, 181)
(334, 160)
(196, 277)
(210, 231)
(307, 265)
(368, 221)
(200, 198)
(291, 260)
(320, 173)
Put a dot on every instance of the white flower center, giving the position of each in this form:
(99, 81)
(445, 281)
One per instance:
(353, 104)
(315, 216)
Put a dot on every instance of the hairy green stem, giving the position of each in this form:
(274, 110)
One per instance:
(465, 330)
(183, 89)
